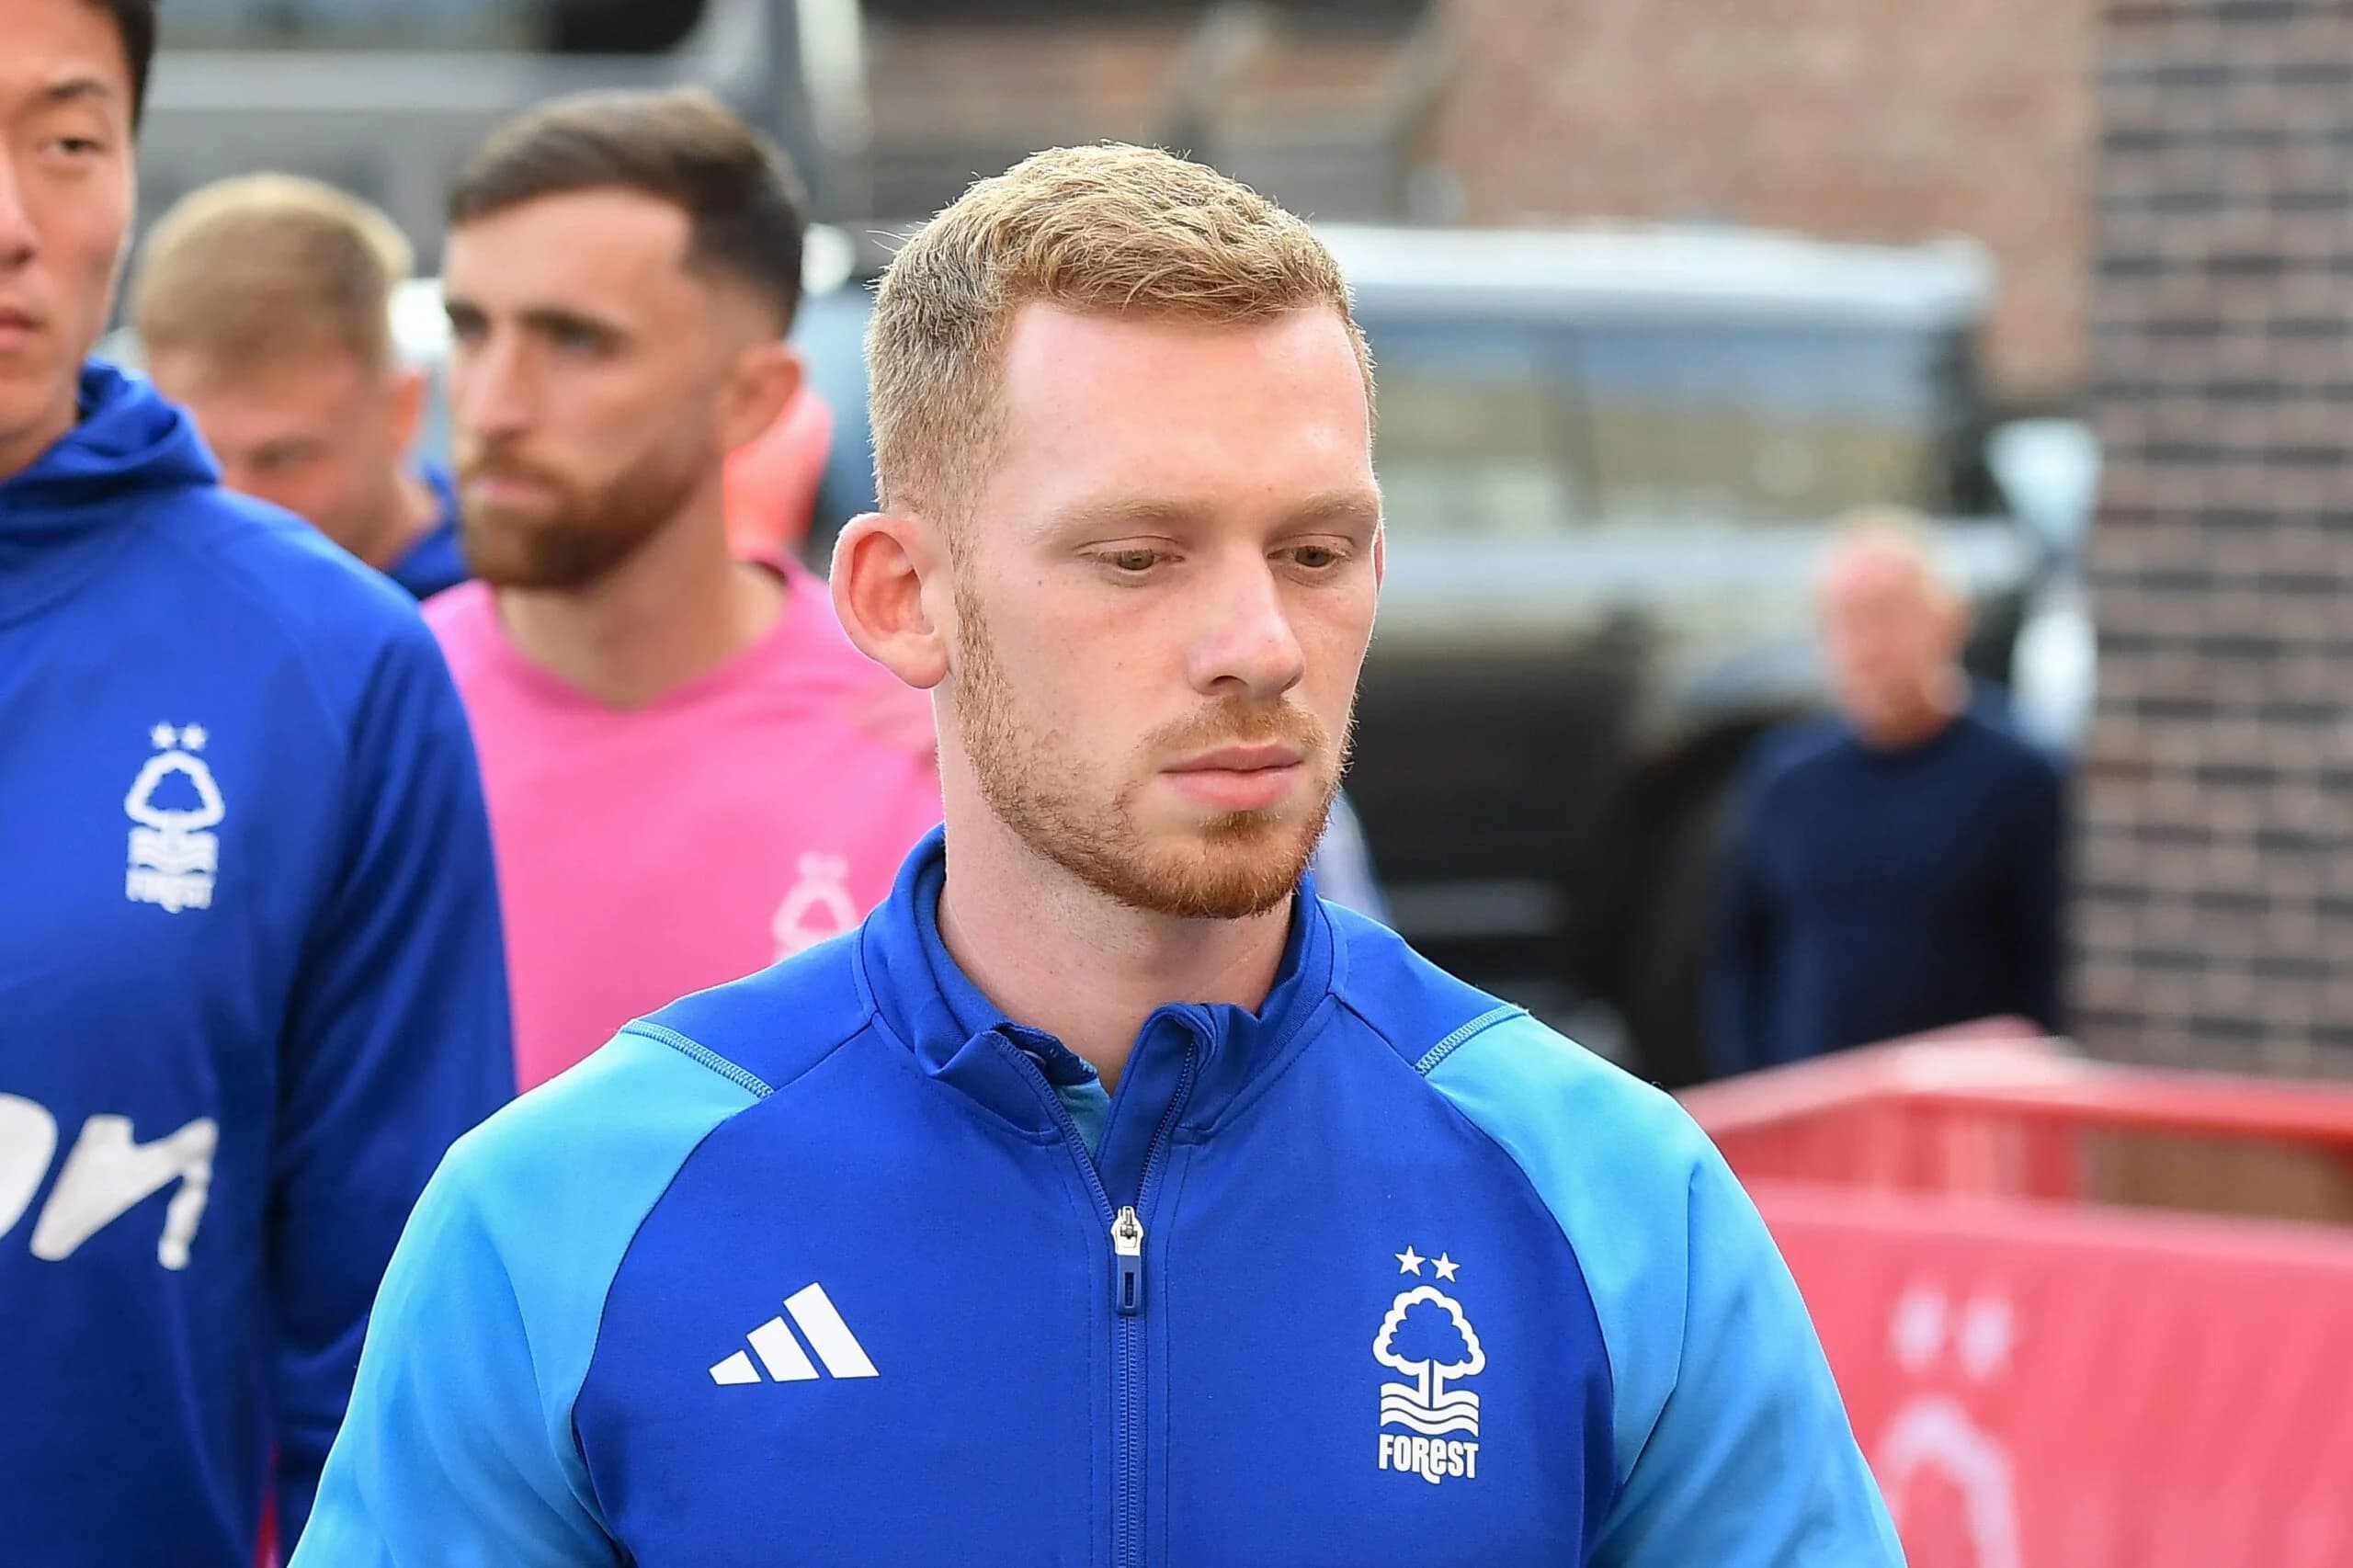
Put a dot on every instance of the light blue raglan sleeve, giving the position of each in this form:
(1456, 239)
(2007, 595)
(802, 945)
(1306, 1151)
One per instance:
(1732, 1447)
(459, 1450)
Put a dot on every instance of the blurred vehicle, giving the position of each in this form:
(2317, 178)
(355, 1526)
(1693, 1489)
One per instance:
(1611, 459)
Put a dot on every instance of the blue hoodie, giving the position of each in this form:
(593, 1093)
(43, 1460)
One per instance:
(436, 561)
(251, 981)
(817, 1267)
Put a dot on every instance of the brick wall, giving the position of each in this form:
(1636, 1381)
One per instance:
(1869, 119)
(2215, 908)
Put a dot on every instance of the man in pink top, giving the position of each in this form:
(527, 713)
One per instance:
(690, 771)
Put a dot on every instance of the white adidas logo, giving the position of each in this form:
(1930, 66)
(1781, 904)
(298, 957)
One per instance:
(782, 1354)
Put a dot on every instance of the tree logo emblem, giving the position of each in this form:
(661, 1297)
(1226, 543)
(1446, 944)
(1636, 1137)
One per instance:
(173, 805)
(1427, 1339)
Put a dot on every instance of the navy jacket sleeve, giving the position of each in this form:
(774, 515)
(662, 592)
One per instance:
(1739, 1003)
(397, 1039)
(2037, 892)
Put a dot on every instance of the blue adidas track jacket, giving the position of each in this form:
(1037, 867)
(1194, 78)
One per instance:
(815, 1267)
(251, 987)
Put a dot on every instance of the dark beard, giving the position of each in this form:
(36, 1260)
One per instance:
(582, 539)
(1244, 863)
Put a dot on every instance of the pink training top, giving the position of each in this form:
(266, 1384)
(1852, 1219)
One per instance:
(646, 853)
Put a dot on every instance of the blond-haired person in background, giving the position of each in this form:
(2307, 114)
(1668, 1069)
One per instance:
(263, 307)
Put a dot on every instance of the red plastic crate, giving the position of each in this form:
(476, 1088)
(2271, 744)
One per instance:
(2047, 1365)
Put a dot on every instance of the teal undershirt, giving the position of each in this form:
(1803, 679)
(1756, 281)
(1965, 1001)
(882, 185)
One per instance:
(1089, 1105)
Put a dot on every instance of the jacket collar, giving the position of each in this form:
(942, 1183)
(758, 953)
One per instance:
(963, 1040)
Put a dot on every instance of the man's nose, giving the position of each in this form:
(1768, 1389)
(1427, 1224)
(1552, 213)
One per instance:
(18, 239)
(1246, 647)
(491, 392)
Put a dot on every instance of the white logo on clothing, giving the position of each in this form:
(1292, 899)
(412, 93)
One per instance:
(781, 1354)
(817, 908)
(1426, 1336)
(173, 859)
(1932, 1432)
(105, 1176)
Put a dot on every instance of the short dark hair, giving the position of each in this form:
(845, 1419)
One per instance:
(135, 21)
(742, 201)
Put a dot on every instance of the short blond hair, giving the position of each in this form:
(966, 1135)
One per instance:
(252, 269)
(1113, 230)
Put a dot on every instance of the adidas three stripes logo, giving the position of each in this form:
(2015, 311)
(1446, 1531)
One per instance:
(780, 1354)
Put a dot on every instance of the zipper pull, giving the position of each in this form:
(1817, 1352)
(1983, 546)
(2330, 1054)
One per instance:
(1127, 1253)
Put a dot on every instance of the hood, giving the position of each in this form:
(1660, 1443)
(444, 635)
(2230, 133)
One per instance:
(65, 517)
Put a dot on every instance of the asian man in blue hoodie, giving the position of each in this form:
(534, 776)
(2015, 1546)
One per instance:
(250, 977)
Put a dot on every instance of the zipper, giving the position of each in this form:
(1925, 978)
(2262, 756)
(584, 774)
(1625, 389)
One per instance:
(1126, 1257)
(1126, 1262)
(1125, 1225)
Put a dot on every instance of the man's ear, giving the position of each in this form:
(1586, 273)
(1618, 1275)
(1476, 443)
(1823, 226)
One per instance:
(881, 562)
(405, 390)
(766, 377)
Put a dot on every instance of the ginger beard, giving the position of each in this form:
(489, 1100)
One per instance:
(1230, 865)
(572, 536)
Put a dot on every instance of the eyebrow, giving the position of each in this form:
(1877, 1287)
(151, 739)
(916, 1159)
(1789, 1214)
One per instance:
(1348, 505)
(541, 320)
(73, 89)
(288, 447)
(550, 319)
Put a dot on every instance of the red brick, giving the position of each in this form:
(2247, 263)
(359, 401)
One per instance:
(1848, 118)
